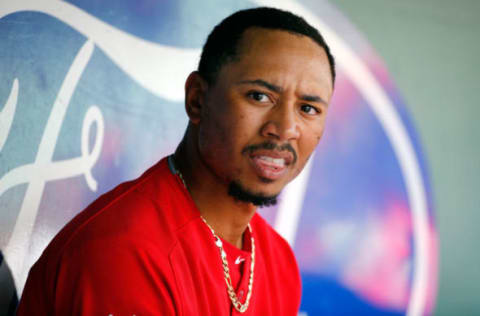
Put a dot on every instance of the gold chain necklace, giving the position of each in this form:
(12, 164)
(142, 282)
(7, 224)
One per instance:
(226, 271)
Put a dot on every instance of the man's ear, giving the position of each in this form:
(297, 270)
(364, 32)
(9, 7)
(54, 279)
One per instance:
(195, 91)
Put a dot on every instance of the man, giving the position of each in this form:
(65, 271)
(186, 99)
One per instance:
(184, 238)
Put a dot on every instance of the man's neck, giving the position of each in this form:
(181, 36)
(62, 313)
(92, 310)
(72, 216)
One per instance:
(227, 216)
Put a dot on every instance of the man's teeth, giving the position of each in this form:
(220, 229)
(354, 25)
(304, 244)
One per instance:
(277, 161)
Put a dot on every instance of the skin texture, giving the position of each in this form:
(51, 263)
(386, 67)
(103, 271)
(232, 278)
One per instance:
(277, 91)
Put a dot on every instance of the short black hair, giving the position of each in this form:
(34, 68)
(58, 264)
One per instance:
(221, 45)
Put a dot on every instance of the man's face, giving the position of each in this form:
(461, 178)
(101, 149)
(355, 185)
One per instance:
(265, 114)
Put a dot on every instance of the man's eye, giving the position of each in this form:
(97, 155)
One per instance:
(258, 96)
(310, 110)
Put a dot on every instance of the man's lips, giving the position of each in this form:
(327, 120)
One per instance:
(269, 160)
(270, 164)
(273, 150)
(280, 158)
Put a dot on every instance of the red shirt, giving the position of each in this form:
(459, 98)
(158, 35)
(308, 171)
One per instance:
(142, 249)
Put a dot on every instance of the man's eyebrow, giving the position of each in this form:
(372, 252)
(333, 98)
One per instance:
(313, 98)
(263, 83)
(274, 88)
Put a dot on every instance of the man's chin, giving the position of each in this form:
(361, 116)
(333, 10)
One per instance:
(240, 193)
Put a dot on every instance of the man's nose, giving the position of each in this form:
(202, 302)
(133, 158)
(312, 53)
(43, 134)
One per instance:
(282, 124)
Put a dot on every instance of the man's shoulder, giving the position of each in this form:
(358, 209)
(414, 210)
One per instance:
(272, 243)
(275, 250)
(120, 243)
(266, 232)
(134, 215)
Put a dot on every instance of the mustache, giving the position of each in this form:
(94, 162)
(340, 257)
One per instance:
(270, 146)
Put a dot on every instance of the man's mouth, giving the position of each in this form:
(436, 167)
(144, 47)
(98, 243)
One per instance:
(274, 162)
(269, 160)
(269, 164)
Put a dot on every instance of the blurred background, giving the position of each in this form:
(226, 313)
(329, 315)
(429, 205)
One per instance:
(432, 51)
(97, 86)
